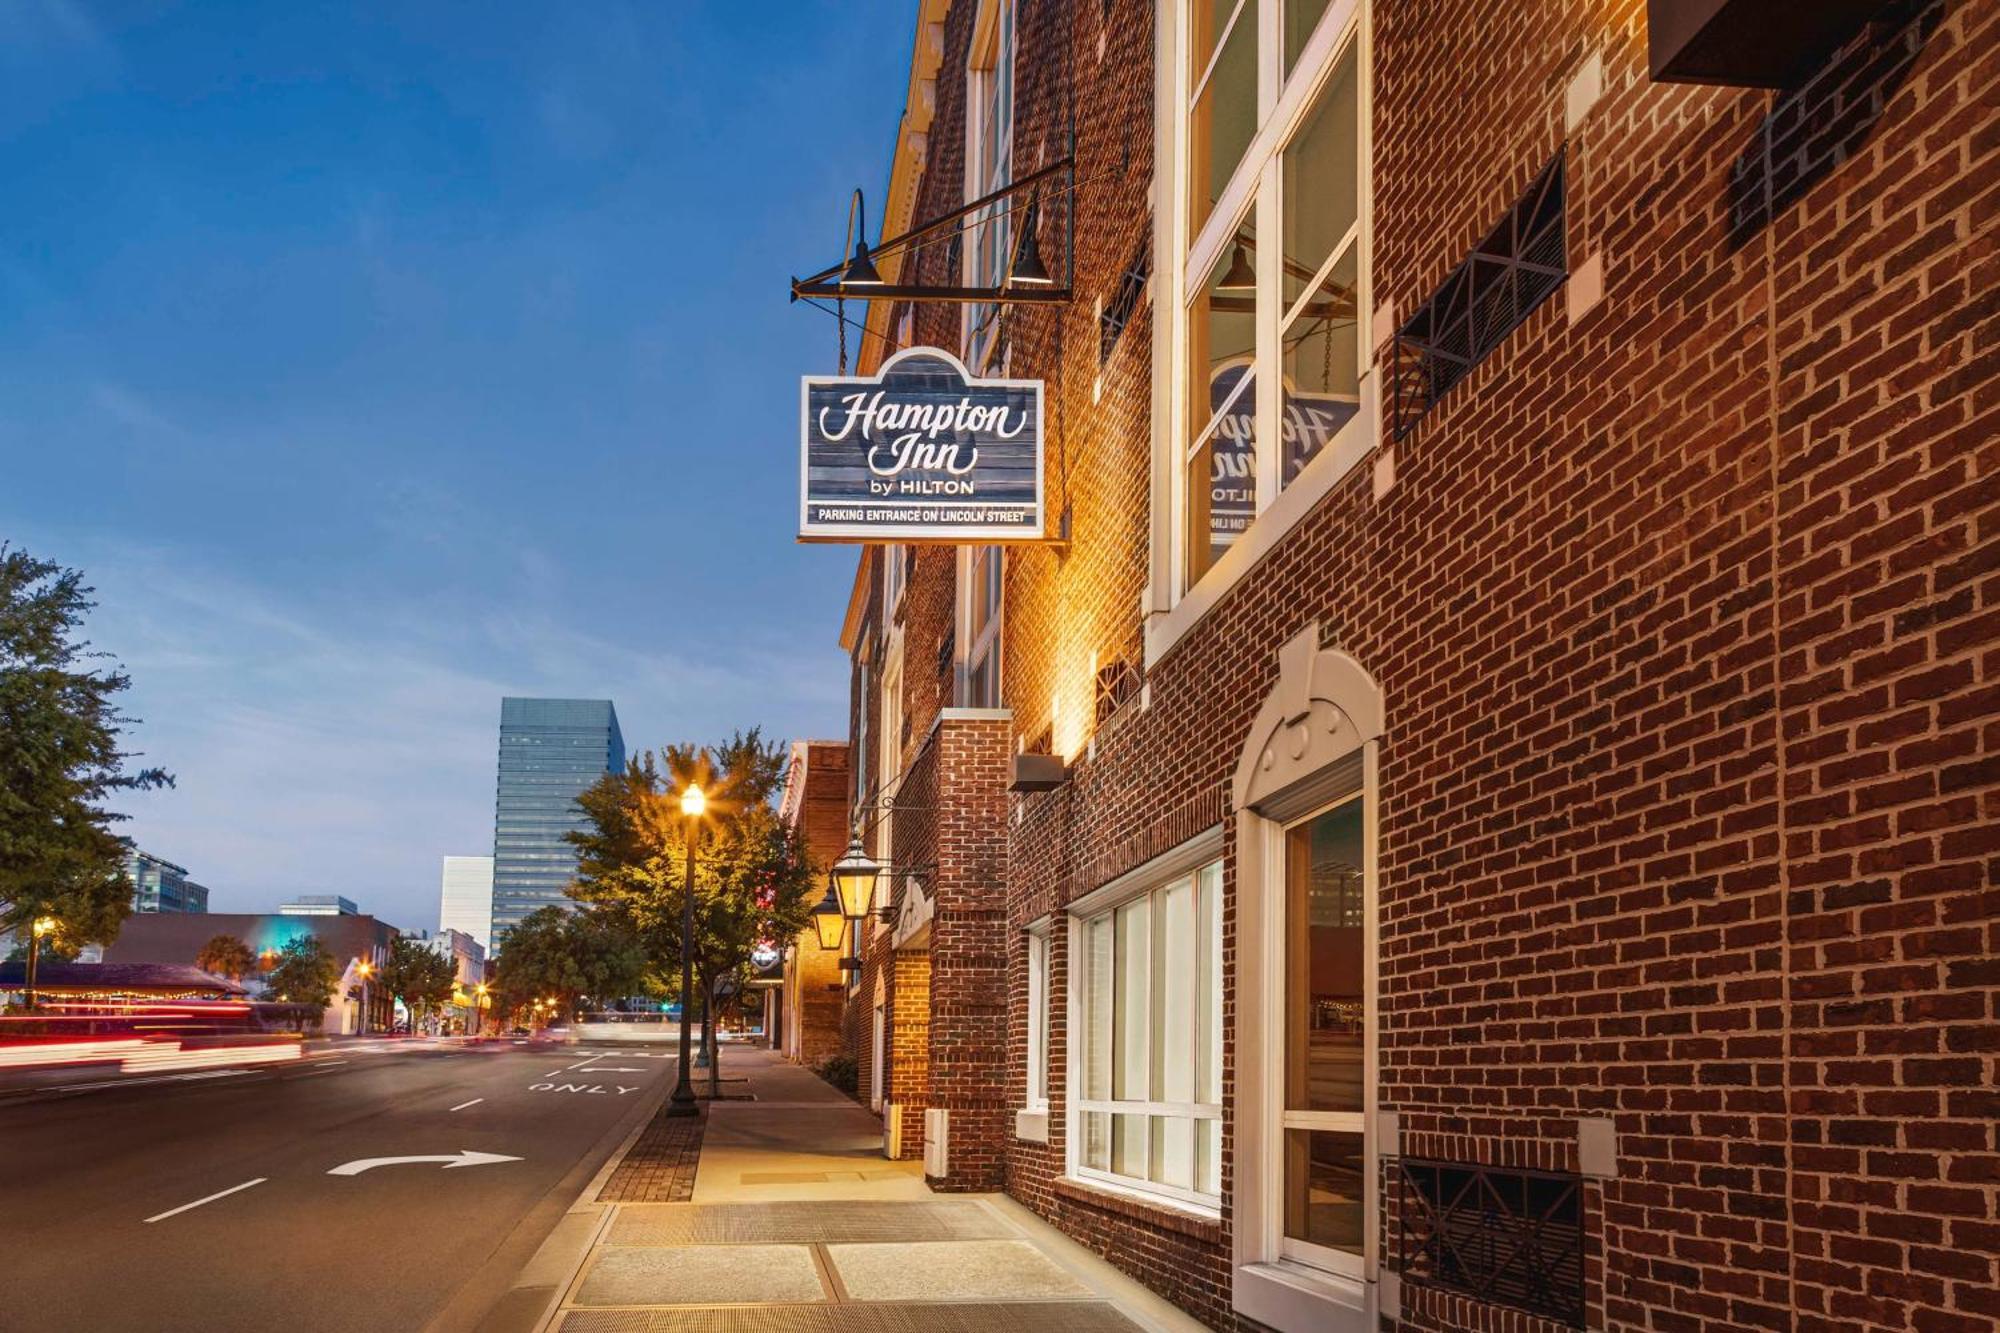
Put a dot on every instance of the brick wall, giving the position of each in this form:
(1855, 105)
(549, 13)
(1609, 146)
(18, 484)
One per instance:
(968, 948)
(1684, 612)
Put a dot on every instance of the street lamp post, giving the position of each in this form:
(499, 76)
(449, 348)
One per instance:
(682, 1102)
(366, 969)
(44, 925)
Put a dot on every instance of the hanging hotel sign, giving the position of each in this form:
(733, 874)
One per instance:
(921, 452)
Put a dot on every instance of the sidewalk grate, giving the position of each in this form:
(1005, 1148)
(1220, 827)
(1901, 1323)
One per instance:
(807, 1222)
(661, 1166)
(954, 1317)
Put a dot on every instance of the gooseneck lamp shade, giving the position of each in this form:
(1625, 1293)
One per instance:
(1028, 269)
(860, 271)
(1241, 276)
(692, 801)
(854, 876)
(829, 922)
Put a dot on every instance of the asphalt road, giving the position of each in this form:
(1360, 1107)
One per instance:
(385, 1248)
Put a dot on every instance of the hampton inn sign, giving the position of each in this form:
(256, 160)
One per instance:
(921, 452)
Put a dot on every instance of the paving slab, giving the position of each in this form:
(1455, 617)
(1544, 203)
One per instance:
(950, 1270)
(805, 1223)
(696, 1274)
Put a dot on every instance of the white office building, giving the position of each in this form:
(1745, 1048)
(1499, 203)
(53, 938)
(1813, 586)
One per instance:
(466, 898)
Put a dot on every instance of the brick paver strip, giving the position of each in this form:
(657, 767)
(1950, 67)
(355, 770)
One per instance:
(660, 1168)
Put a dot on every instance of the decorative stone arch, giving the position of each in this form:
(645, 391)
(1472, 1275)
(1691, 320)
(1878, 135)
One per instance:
(1313, 743)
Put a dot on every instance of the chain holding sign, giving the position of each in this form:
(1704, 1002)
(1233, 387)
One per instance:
(922, 452)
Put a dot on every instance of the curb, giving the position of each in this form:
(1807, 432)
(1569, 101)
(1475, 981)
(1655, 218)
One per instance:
(529, 1303)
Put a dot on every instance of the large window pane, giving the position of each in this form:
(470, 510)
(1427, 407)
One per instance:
(1323, 1188)
(1222, 79)
(1322, 367)
(1322, 178)
(1097, 1009)
(1209, 1052)
(1149, 1039)
(1129, 1081)
(1222, 406)
(1301, 17)
(1324, 1012)
(1175, 992)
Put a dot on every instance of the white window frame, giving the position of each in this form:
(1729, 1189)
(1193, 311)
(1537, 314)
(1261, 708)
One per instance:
(1173, 602)
(995, 35)
(1183, 862)
(894, 578)
(1315, 744)
(1038, 1017)
(989, 640)
(1347, 1122)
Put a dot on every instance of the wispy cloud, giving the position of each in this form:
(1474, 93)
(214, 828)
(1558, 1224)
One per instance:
(324, 747)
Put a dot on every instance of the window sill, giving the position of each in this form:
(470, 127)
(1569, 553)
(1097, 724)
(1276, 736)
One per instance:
(1285, 1295)
(1133, 1205)
(1032, 1125)
(1346, 451)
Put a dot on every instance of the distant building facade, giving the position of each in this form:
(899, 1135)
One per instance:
(550, 751)
(158, 885)
(319, 904)
(465, 897)
(805, 1013)
(177, 938)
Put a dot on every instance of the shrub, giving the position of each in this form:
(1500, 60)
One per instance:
(842, 1071)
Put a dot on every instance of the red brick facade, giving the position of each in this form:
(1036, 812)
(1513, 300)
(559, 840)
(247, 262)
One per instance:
(1684, 607)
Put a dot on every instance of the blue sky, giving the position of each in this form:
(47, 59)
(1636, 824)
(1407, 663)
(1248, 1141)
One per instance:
(376, 361)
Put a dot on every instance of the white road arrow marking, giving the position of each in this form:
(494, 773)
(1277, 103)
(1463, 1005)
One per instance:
(462, 1158)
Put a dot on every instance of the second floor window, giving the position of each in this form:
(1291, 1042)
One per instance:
(989, 166)
(1272, 265)
(982, 570)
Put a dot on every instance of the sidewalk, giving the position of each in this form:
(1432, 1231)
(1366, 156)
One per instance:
(775, 1210)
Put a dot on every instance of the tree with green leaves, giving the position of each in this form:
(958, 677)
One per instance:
(60, 758)
(557, 954)
(226, 956)
(305, 973)
(753, 880)
(419, 976)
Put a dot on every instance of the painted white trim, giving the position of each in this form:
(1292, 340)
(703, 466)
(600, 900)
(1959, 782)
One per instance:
(1200, 1212)
(1181, 261)
(1328, 706)
(1328, 468)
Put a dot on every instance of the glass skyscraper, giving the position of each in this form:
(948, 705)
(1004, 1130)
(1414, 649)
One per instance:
(550, 751)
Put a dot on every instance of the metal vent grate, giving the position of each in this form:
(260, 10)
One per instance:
(1510, 1237)
(1513, 270)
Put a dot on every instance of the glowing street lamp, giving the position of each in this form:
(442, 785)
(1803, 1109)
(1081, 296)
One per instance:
(43, 926)
(693, 804)
(364, 969)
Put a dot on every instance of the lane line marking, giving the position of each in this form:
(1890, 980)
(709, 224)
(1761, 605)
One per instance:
(220, 1194)
(310, 1073)
(325, 1064)
(474, 1102)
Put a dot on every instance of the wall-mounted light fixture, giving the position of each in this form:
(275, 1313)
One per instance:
(1028, 278)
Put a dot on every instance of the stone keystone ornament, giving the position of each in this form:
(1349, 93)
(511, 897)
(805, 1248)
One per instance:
(922, 452)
